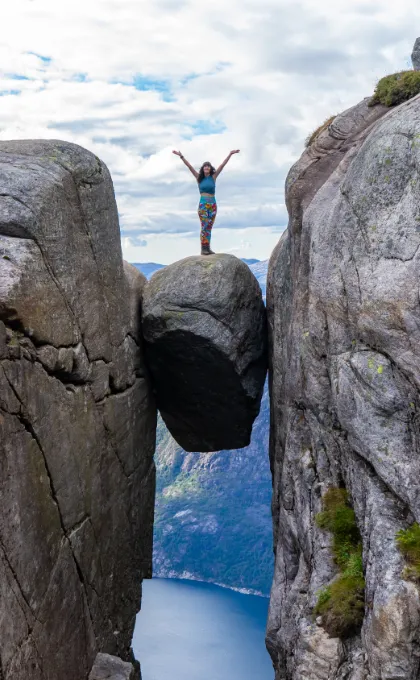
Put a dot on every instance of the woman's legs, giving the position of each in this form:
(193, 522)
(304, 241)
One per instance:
(207, 212)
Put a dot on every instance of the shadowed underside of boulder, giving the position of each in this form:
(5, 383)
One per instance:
(77, 418)
(205, 332)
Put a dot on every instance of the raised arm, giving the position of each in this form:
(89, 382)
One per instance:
(220, 168)
(184, 160)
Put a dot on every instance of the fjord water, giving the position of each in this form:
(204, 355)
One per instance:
(189, 630)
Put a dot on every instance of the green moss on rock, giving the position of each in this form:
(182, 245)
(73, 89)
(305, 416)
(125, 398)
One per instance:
(341, 604)
(408, 541)
(396, 88)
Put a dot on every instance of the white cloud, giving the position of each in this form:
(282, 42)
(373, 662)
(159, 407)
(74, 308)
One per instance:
(133, 79)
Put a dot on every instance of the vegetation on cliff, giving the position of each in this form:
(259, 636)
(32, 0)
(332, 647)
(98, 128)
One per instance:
(408, 541)
(341, 604)
(396, 88)
(312, 137)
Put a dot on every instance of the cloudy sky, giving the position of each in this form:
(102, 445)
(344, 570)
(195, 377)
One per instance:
(133, 79)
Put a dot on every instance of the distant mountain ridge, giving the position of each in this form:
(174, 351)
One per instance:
(149, 268)
(212, 517)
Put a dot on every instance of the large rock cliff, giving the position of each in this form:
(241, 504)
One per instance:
(344, 326)
(77, 419)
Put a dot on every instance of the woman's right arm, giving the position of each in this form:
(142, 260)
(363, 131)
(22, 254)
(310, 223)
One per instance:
(184, 160)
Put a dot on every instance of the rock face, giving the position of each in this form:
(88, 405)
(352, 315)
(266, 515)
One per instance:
(205, 332)
(343, 312)
(77, 419)
(108, 667)
(415, 56)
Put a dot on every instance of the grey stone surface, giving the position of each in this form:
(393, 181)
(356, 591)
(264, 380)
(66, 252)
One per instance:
(48, 356)
(204, 327)
(107, 667)
(80, 370)
(99, 379)
(65, 359)
(137, 282)
(76, 448)
(344, 320)
(415, 55)
(3, 340)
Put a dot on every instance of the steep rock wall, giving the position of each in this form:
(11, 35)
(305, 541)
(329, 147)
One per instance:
(343, 312)
(77, 419)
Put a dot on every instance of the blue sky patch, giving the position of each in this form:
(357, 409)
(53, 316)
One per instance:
(220, 66)
(80, 77)
(16, 76)
(4, 93)
(204, 127)
(145, 84)
(45, 60)
(164, 86)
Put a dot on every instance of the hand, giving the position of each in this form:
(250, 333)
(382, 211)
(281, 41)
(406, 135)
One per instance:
(232, 152)
(177, 153)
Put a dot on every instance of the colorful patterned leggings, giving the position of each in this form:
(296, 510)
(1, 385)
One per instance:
(207, 211)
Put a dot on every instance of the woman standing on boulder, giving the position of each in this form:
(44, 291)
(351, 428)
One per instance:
(207, 208)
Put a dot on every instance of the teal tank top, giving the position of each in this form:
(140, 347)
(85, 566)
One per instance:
(207, 186)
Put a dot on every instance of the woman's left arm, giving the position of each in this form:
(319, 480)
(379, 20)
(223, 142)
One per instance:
(220, 168)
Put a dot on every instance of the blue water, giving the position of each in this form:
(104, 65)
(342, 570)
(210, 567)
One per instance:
(197, 631)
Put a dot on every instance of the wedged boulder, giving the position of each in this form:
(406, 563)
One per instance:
(77, 418)
(204, 327)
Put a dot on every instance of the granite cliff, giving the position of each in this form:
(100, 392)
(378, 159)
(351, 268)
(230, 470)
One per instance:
(77, 419)
(343, 313)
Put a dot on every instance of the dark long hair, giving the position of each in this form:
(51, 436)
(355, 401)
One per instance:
(201, 171)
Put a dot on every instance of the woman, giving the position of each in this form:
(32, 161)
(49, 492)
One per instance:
(207, 208)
